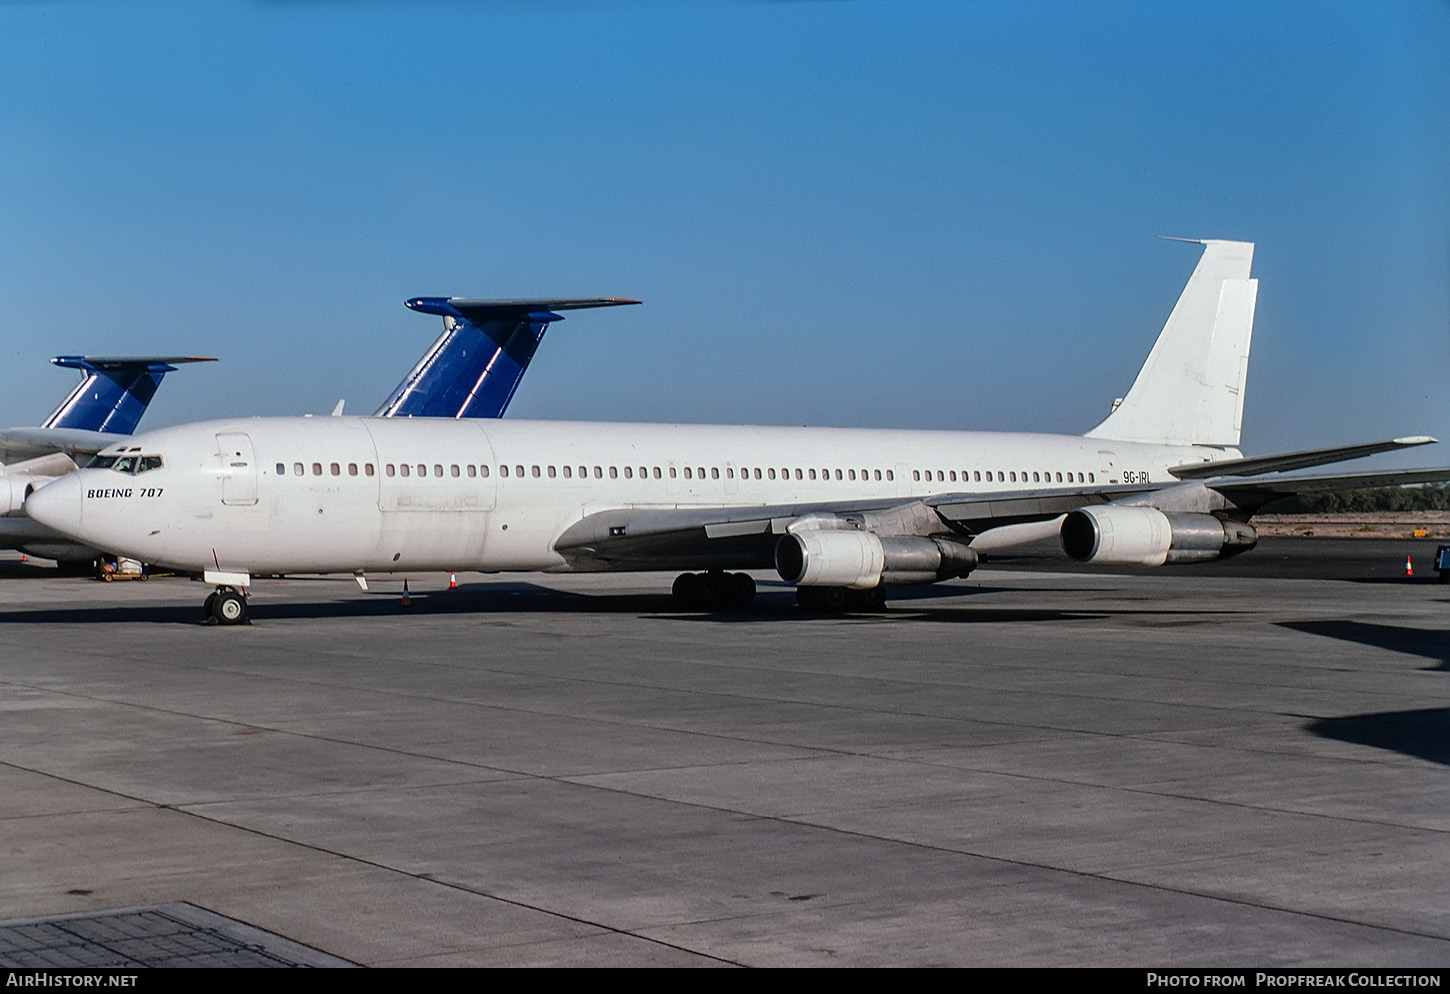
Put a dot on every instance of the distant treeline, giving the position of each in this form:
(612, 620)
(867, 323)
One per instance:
(1429, 497)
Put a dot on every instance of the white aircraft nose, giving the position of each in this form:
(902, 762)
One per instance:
(57, 505)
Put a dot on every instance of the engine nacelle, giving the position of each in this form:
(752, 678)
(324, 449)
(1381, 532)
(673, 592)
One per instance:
(15, 488)
(861, 560)
(1145, 536)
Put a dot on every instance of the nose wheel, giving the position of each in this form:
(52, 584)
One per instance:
(226, 606)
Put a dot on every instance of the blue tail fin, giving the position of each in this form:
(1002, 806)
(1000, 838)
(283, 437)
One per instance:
(113, 392)
(475, 366)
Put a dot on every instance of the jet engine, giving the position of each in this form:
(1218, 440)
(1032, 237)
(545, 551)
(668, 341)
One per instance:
(862, 560)
(1146, 536)
(15, 488)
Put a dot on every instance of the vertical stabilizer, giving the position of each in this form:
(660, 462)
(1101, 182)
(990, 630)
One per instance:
(475, 366)
(113, 392)
(1191, 389)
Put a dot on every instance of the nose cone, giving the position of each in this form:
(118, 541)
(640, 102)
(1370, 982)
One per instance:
(57, 505)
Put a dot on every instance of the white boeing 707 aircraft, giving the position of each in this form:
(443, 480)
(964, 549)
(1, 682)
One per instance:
(841, 513)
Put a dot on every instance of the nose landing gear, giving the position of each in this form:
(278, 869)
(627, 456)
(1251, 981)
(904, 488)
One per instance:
(226, 606)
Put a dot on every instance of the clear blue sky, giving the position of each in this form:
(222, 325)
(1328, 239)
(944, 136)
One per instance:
(854, 213)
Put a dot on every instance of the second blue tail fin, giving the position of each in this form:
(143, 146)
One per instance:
(475, 366)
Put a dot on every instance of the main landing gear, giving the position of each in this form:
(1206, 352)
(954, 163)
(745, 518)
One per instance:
(839, 600)
(226, 606)
(713, 590)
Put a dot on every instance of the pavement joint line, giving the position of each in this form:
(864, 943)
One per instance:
(795, 822)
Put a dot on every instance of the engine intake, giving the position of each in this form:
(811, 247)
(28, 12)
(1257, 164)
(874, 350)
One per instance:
(861, 560)
(1146, 536)
(14, 490)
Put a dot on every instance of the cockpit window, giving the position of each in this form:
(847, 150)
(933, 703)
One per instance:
(125, 463)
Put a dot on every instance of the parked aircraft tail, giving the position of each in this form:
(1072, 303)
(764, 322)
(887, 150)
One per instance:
(475, 366)
(113, 392)
(1191, 389)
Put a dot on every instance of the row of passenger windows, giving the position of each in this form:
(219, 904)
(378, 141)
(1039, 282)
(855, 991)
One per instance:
(689, 472)
(642, 472)
(333, 469)
(1045, 476)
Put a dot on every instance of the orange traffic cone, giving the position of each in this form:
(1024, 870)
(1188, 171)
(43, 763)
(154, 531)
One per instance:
(407, 601)
(452, 582)
(1409, 568)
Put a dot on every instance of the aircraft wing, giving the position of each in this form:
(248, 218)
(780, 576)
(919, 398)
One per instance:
(26, 443)
(1254, 493)
(1255, 465)
(744, 537)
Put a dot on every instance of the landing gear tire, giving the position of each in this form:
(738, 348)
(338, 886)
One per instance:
(227, 607)
(866, 600)
(208, 605)
(821, 600)
(713, 591)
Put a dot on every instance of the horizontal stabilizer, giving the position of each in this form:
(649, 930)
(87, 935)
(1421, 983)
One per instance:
(475, 366)
(1292, 460)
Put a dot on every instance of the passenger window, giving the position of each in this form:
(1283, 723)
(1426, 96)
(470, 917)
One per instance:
(689, 473)
(472, 471)
(771, 472)
(1091, 479)
(422, 469)
(335, 469)
(1035, 477)
(813, 474)
(352, 469)
(551, 472)
(583, 472)
(568, 472)
(317, 469)
(503, 469)
(730, 472)
(672, 472)
(368, 468)
(628, 473)
(483, 470)
(437, 470)
(535, 471)
(700, 472)
(297, 468)
(890, 475)
(757, 472)
(453, 470)
(657, 473)
(404, 469)
(518, 471)
(798, 474)
(388, 470)
(714, 472)
(614, 472)
(281, 469)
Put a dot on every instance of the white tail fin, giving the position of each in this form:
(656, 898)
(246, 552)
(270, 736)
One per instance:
(1191, 389)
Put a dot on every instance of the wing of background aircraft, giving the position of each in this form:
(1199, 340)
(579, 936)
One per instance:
(475, 366)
